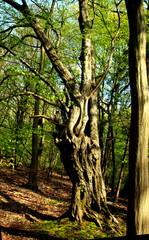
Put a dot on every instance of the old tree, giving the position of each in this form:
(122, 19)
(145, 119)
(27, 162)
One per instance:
(77, 129)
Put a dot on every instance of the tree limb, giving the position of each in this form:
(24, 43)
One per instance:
(13, 27)
(26, 148)
(14, 5)
(111, 54)
(48, 118)
(24, 3)
(39, 97)
(52, 6)
(5, 78)
(45, 80)
(59, 66)
(31, 69)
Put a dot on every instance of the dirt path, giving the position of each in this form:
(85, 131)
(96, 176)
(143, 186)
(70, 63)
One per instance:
(20, 207)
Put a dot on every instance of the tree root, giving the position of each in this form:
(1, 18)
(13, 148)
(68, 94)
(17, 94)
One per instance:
(104, 218)
(107, 212)
(92, 215)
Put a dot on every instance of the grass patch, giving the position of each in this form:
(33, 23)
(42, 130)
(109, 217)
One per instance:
(54, 202)
(75, 231)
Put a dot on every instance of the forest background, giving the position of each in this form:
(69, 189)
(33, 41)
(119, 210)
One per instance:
(32, 90)
(16, 78)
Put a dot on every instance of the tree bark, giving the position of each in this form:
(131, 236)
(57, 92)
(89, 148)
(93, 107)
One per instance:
(36, 142)
(32, 182)
(81, 159)
(121, 172)
(107, 153)
(114, 163)
(138, 208)
(41, 121)
(101, 121)
(19, 122)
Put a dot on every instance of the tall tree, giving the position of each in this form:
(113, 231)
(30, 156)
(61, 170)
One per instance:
(32, 182)
(138, 208)
(77, 137)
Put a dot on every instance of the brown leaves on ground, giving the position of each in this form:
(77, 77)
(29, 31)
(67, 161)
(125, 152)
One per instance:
(20, 207)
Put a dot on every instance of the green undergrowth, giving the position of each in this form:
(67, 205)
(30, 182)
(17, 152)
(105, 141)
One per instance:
(70, 230)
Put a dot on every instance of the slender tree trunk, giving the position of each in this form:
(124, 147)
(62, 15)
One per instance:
(41, 121)
(42, 138)
(121, 172)
(107, 153)
(19, 122)
(113, 160)
(101, 119)
(32, 182)
(138, 207)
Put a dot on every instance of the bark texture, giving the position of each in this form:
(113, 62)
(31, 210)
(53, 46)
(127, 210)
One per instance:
(138, 209)
(81, 158)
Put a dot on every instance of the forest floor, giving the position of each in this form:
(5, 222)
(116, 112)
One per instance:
(26, 215)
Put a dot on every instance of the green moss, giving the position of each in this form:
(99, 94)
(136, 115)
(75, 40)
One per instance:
(74, 231)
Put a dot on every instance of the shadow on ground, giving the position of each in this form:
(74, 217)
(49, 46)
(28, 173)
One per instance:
(16, 207)
(44, 236)
(24, 233)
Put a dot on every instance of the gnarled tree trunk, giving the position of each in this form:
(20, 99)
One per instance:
(79, 144)
(80, 154)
